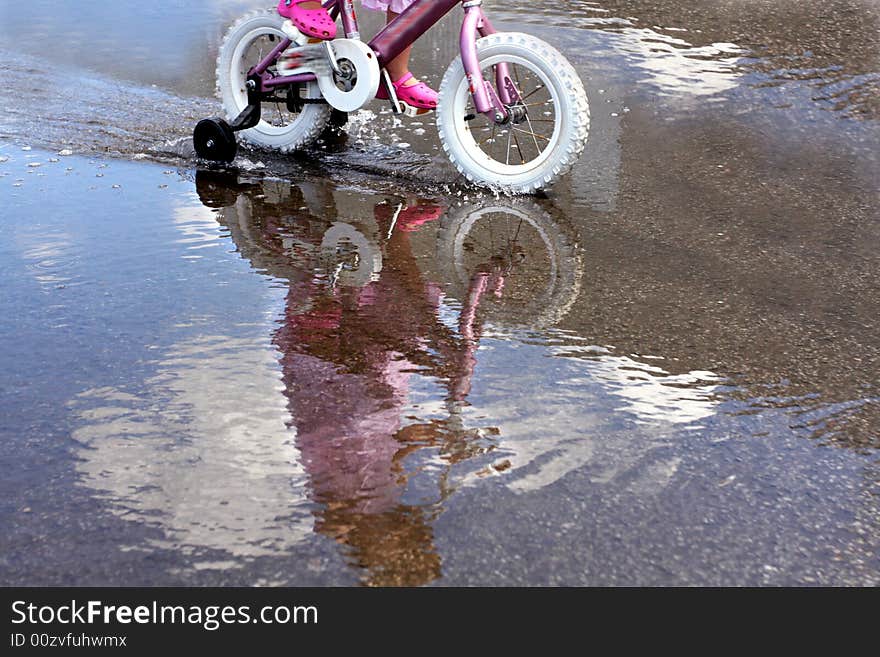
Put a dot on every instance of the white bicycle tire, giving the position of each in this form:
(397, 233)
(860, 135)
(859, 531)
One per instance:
(308, 124)
(569, 136)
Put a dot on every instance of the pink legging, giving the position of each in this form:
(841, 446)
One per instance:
(397, 6)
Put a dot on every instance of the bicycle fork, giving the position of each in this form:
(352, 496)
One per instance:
(486, 100)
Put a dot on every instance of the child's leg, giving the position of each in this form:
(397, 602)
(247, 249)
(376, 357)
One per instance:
(409, 89)
(399, 66)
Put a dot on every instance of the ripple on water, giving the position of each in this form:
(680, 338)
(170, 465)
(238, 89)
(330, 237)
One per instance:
(201, 450)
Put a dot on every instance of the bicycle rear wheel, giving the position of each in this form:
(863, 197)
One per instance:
(282, 126)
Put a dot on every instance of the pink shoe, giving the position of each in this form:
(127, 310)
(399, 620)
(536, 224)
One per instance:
(410, 218)
(413, 217)
(416, 95)
(311, 22)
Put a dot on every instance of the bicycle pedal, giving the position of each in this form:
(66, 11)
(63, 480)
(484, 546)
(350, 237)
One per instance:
(410, 111)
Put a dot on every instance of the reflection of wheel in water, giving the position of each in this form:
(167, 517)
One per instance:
(348, 257)
(284, 229)
(253, 220)
(519, 241)
(286, 123)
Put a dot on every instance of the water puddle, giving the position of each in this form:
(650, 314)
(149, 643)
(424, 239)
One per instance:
(368, 387)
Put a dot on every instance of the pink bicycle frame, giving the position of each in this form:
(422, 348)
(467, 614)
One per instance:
(402, 32)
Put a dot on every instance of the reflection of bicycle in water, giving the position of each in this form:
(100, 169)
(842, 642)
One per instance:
(533, 266)
(524, 246)
(380, 304)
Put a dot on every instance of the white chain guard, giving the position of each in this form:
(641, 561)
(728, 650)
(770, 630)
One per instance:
(365, 64)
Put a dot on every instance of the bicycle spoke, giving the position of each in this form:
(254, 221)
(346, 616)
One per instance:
(523, 85)
(518, 147)
(532, 92)
(528, 132)
(491, 137)
(518, 227)
(534, 136)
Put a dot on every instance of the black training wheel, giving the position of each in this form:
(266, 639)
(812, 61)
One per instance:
(214, 140)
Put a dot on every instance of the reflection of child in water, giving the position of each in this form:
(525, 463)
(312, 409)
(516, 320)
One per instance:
(347, 359)
(349, 344)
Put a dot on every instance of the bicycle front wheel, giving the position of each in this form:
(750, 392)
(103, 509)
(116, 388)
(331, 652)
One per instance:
(548, 124)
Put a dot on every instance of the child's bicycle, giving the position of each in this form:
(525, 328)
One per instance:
(512, 112)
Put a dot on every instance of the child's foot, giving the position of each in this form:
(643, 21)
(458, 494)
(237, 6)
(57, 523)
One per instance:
(412, 92)
(309, 17)
(410, 217)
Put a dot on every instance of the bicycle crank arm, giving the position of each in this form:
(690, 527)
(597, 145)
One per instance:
(391, 91)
